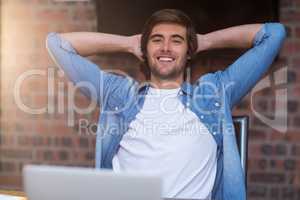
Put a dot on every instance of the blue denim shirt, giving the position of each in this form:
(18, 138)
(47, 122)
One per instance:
(211, 98)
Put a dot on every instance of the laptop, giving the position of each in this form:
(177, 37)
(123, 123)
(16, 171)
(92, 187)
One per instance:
(74, 183)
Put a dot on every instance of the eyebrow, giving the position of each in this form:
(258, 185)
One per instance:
(161, 36)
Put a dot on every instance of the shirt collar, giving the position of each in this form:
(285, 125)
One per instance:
(186, 88)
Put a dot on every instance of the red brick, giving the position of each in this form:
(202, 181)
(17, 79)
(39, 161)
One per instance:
(257, 135)
(84, 14)
(40, 101)
(296, 63)
(296, 121)
(297, 47)
(254, 150)
(11, 181)
(297, 3)
(277, 136)
(276, 164)
(52, 15)
(41, 128)
(293, 136)
(290, 47)
(297, 32)
(296, 179)
(295, 90)
(295, 150)
(290, 16)
(61, 129)
(257, 164)
(16, 154)
(267, 178)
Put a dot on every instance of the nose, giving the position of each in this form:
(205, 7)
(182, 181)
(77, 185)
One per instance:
(166, 46)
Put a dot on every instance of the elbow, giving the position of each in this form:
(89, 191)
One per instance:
(279, 31)
(52, 47)
(50, 40)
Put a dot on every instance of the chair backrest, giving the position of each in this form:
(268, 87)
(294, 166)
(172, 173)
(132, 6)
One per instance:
(241, 124)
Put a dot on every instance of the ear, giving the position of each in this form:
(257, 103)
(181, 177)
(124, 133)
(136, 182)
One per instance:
(188, 55)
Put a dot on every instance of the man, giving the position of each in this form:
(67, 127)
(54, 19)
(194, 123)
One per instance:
(168, 126)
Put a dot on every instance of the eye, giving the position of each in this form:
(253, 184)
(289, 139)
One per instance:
(177, 41)
(156, 40)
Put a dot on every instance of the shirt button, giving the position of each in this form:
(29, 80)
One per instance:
(217, 104)
(188, 104)
(180, 93)
(201, 117)
(214, 133)
(116, 108)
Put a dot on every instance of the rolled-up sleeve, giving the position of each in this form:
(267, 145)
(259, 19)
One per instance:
(247, 70)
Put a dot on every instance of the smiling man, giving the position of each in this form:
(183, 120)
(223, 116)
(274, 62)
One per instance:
(167, 126)
(167, 53)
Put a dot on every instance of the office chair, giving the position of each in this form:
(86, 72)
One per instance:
(241, 125)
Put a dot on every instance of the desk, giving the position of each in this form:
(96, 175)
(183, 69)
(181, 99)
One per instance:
(17, 195)
(11, 195)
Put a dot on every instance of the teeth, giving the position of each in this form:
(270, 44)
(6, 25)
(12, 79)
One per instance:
(166, 59)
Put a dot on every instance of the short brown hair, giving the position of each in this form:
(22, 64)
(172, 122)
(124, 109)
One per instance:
(170, 16)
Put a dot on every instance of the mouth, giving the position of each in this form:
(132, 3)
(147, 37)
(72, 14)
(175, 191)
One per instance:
(165, 59)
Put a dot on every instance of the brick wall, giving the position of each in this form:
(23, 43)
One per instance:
(274, 156)
(46, 138)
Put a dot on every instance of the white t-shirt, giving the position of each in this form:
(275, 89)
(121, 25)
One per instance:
(169, 140)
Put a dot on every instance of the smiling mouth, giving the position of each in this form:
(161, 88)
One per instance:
(165, 59)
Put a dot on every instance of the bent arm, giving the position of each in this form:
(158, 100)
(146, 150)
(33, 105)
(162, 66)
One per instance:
(67, 51)
(233, 37)
(265, 42)
(90, 43)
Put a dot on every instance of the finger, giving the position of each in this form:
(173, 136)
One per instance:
(141, 58)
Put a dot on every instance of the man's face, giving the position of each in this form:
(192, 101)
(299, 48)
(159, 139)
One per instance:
(167, 51)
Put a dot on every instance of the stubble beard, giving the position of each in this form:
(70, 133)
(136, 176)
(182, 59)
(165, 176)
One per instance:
(171, 75)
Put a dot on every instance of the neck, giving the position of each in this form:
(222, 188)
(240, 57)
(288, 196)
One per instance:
(166, 84)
